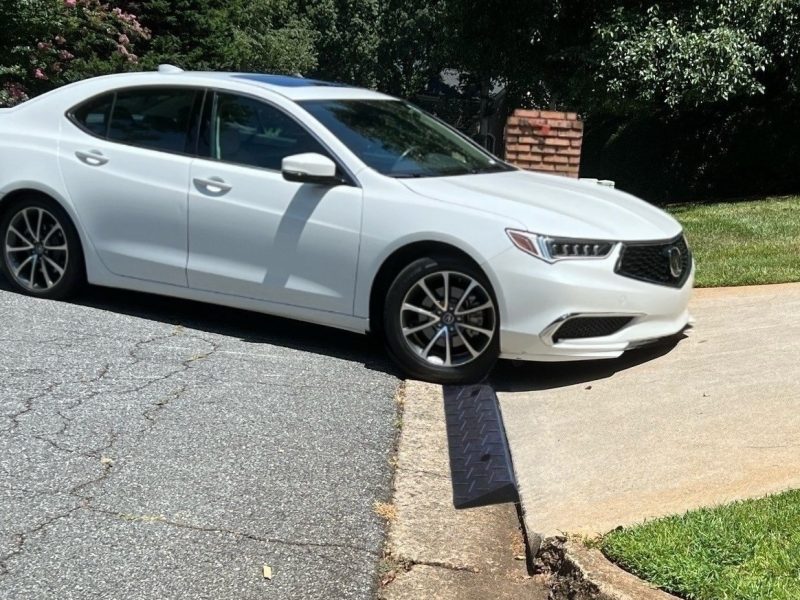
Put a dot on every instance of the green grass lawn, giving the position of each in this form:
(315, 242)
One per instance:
(743, 551)
(743, 243)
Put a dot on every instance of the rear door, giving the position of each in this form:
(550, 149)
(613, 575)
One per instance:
(125, 158)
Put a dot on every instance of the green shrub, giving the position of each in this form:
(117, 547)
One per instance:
(47, 43)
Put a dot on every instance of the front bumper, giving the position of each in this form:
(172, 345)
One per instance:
(535, 297)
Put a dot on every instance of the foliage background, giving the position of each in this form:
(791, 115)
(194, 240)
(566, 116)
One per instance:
(682, 100)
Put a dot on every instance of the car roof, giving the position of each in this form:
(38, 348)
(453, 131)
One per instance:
(293, 87)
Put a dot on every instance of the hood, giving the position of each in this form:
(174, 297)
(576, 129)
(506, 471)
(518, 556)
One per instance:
(553, 205)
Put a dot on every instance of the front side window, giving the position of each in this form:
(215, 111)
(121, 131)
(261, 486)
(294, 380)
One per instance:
(246, 131)
(157, 119)
(400, 140)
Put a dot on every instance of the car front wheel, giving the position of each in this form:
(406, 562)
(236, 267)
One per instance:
(441, 321)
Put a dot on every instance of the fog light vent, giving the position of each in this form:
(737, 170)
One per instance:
(589, 327)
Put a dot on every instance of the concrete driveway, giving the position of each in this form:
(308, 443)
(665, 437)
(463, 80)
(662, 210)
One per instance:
(713, 418)
(152, 448)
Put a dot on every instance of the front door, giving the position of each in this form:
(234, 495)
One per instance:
(125, 161)
(256, 235)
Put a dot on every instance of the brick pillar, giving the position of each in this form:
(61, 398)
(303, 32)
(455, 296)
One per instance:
(545, 140)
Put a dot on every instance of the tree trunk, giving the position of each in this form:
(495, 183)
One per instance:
(483, 132)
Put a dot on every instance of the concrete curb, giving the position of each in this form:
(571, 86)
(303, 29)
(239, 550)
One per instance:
(581, 573)
(434, 551)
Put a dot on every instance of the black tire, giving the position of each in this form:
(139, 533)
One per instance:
(407, 351)
(71, 260)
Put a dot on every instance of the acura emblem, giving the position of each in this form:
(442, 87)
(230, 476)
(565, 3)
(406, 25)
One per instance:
(675, 256)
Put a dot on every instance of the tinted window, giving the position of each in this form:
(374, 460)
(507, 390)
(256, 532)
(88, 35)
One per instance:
(249, 132)
(159, 119)
(398, 139)
(93, 116)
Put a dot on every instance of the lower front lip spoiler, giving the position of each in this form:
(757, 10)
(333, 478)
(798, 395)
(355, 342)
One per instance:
(676, 337)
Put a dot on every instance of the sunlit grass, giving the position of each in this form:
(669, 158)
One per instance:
(747, 550)
(743, 243)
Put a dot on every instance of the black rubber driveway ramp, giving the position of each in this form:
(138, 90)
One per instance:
(480, 462)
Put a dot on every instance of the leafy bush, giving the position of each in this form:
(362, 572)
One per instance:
(51, 42)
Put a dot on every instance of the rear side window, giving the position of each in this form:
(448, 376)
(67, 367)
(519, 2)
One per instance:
(158, 119)
(93, 116)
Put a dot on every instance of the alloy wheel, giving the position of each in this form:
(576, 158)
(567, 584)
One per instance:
(448, 318)
(36, 250)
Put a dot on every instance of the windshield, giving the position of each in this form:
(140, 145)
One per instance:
(400, 140)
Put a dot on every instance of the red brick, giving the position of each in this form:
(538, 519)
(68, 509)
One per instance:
(540, 130)
(530, 158)
(570, 133)
(553, 114)
(534, 123)
(572, 116)
(556, 142)
(555, 158)
(577, 125)
(570, 151)
(527, 113)
(574, 160)
(566, 169)
(575, 143)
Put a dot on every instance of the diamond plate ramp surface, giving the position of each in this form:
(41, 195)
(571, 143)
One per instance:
(480, 462)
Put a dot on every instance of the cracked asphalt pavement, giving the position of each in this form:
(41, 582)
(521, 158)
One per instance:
(156, 448)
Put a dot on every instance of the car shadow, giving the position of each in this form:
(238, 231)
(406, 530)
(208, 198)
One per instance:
(245, 325)
(519, 376)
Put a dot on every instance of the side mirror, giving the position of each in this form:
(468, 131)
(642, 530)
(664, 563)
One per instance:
(310, 168)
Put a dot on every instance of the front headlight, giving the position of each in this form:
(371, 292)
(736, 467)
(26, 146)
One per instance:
(551, 249)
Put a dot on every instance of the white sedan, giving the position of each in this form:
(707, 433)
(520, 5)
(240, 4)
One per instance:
(335, 205)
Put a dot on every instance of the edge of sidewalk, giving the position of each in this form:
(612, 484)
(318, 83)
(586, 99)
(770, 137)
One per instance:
(436, 551)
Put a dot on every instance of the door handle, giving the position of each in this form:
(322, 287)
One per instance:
(93, 158)
(213, 186)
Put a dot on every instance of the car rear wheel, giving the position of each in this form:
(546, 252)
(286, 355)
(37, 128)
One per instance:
(441, 321)
(41, 250)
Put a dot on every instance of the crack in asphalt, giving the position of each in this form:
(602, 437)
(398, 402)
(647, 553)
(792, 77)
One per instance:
(27, 406)
(84, 500)
(21, 538)
(309, 547)
(233, 532)
(105, 371)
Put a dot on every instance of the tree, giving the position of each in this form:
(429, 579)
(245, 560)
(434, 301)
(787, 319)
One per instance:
(489, 41)
(347, 39)
(407, 50)
(237, 35)
(679, 55)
